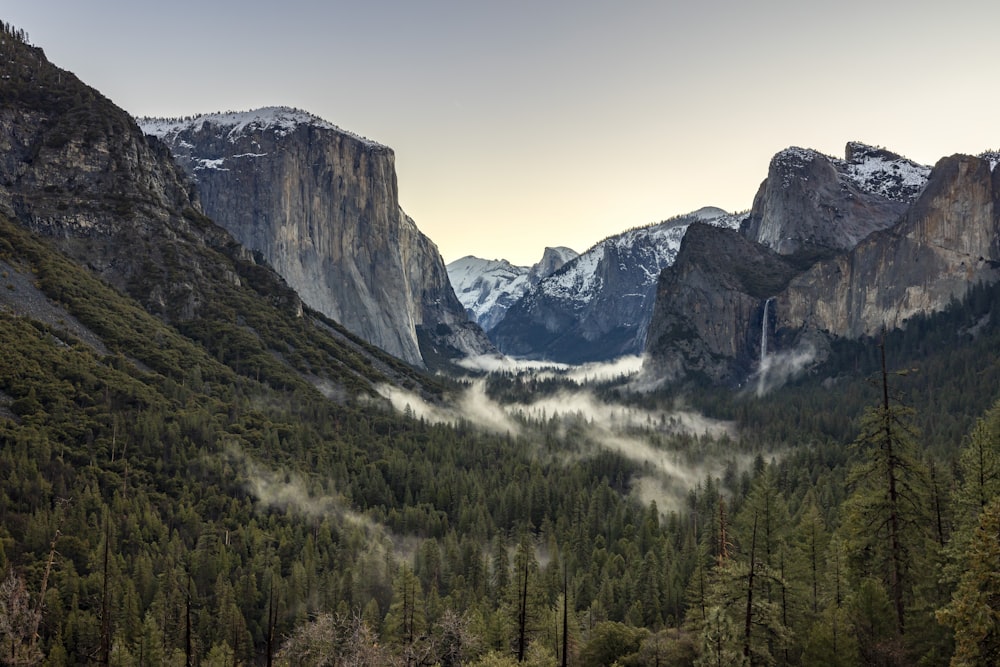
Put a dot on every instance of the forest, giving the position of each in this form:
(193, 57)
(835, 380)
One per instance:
(164, 501)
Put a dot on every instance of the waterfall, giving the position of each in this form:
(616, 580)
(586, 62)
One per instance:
(763, 331)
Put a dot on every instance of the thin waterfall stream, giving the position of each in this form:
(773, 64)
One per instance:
(763, 331)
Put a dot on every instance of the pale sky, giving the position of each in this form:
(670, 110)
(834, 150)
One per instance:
(519, 125)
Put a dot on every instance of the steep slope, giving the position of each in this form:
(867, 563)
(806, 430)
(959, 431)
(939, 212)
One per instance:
(859, 244)
(598, 306)
(321, 206)
(813, 204)
(708, 311)
(489, 287)
(77, 170)
(947, 242)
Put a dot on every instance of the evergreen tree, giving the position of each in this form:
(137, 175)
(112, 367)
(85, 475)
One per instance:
(974, 610)
(886, 512)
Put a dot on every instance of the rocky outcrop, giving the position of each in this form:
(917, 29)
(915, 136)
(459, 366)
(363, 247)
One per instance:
(321, 206)
(77, 169)
(489, 287)
(598, 306)
(947, 241)
(710, 306)
(820, 259)
(814, 205)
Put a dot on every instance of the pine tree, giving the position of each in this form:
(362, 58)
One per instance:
(886, 511)
(974, 611)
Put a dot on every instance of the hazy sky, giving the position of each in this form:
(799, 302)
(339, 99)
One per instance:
(518, 125)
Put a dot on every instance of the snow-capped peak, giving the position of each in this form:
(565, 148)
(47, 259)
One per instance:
(649, 249)
(488, 287)
(872, 169)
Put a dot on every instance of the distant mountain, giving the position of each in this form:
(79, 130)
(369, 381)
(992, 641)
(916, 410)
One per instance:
(598, 306)
(320, 205)
(832, 248)
(488, 287)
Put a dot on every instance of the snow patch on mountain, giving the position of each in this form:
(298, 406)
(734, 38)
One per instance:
(488, 287)
(873, 170)
(233, 124)
(650, 248)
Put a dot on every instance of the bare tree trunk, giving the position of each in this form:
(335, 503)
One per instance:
(565, 624)
(522, 615)
(105, 614)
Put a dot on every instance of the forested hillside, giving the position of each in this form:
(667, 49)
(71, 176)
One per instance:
(164, 508)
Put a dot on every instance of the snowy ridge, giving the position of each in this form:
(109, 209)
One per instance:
(650, 248)
(282, 120)
(993, 157)
(873, 170)
(880, 172)
(488, 287)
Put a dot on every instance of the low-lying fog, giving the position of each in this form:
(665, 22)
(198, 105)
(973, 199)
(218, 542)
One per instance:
(675, 448)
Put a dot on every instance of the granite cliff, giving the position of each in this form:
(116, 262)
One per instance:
(832, 248)
(946, 242)
(77, 172)
(320, 205)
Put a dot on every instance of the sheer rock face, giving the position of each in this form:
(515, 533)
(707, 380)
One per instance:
(707, 321)
(321, 206)
(811, 203)
(947, 241)
(832, 249)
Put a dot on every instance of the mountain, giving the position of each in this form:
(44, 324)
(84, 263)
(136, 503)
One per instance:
(598, 306)
(832, 249)
(320, 205)
(813, 203)
(77, 171)
(488, 287)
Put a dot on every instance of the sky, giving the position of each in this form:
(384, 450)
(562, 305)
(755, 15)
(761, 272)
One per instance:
(520, 125)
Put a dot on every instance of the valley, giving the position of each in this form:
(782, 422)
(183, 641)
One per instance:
(249, 416)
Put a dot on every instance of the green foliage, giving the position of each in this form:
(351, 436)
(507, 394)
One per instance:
(974, 610)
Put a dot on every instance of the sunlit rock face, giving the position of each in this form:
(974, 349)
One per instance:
(832, 248)
(321, 206)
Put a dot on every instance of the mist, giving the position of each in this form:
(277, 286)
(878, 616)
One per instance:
(586, 423)
(778, 368)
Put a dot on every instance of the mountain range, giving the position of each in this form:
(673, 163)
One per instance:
(488, 287)
(830, 248)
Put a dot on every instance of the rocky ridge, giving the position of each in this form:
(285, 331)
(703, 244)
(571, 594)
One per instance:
(832, 248)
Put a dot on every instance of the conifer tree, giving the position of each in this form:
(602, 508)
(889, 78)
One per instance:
(885, 513)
